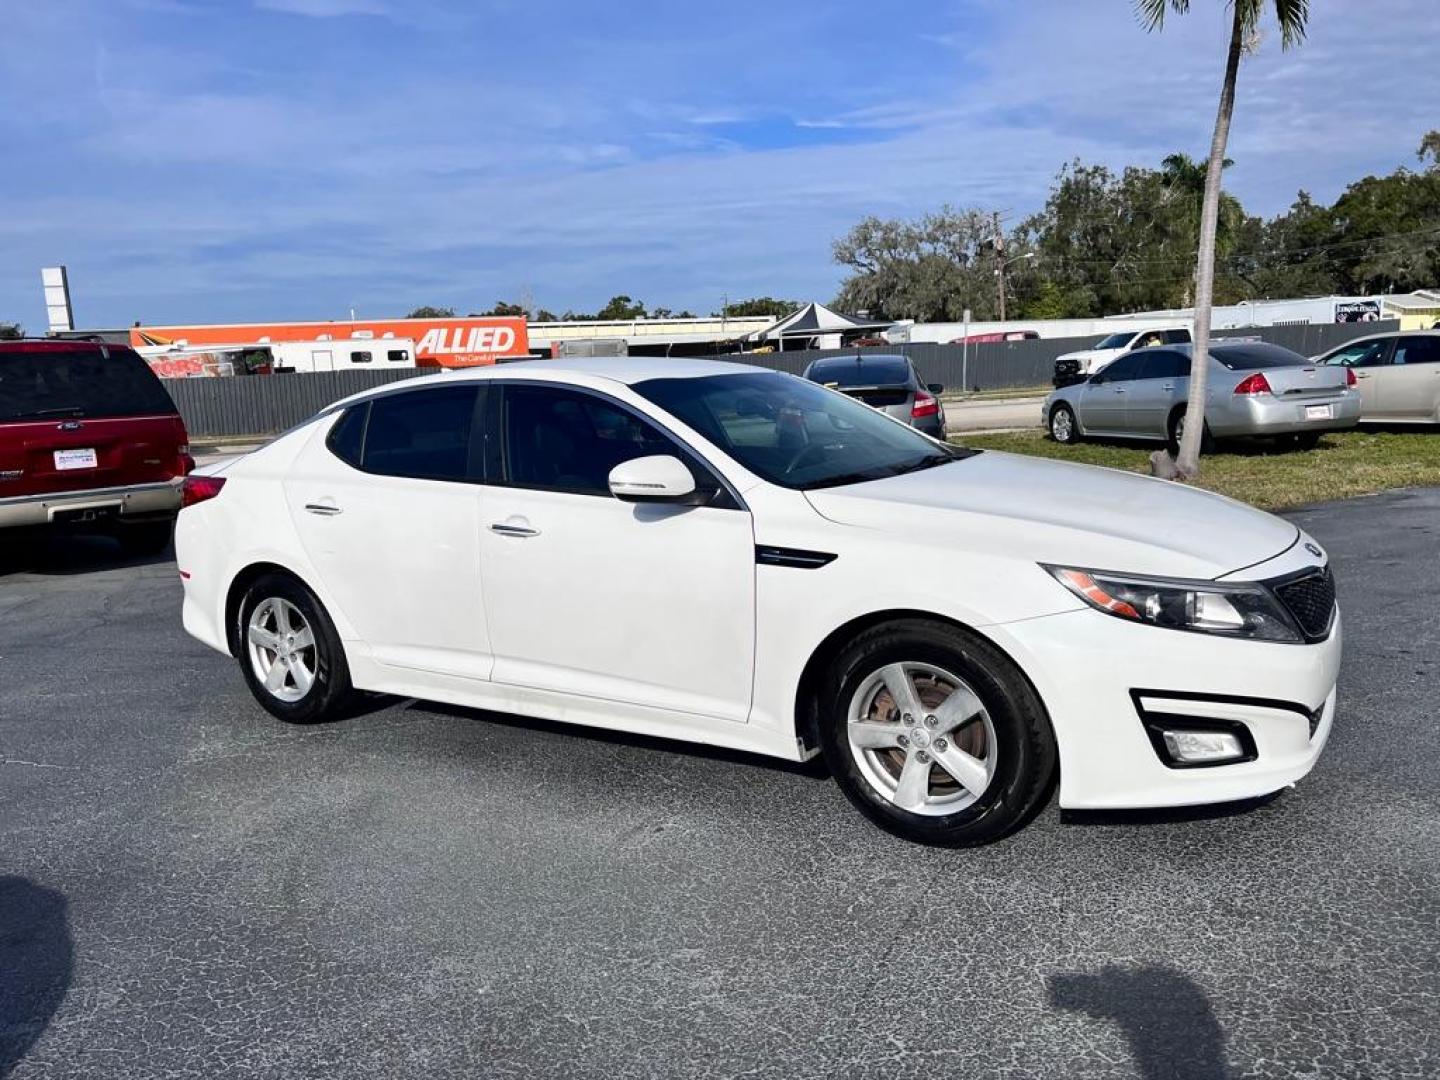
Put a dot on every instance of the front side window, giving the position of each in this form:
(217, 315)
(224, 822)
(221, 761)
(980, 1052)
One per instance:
(1121, 370)
(1418, 350)
(562, 440)
(794, 433)
(424, 434)
(1165, 364)
(1362, 354)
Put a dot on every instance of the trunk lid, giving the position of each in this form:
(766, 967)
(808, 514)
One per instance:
(1316, 380)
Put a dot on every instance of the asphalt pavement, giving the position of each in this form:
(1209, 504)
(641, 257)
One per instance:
(993, 414)
(189, 888)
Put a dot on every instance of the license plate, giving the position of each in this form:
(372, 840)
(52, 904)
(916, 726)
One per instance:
(1318, 412)
(75, 459)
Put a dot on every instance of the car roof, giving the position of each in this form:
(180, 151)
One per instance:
(627, 370)
(55, 345)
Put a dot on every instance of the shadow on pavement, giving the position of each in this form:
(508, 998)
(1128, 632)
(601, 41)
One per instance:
(62, 555)
(35, 964)
(1163, 1014)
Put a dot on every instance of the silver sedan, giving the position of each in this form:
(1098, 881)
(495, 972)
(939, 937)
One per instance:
(1255, 389)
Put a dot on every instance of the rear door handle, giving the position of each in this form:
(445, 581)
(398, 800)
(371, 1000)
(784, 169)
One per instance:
(504, 529)
(324, 509)
(1119, 389)
(1167, 386)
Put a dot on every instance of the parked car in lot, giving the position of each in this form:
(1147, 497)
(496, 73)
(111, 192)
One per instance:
(89, 440)
(888, 383)
(1398, 375)
(1255, 389)
(739, 557)
(1075, 367)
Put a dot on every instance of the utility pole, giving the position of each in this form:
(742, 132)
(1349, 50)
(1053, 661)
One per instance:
(999, 243)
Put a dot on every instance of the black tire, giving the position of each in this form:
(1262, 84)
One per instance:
(1025, 752)
(329, 695)
(1173, 432)
(146, 538)
(1069, 429)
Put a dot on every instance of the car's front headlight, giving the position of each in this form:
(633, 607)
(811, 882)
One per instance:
(1240, 609)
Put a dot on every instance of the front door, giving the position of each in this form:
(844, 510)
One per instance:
(1410, 384)
(649, 604)
(1369, 359)
(1107, 398)
(1162, 382)
(387, 506)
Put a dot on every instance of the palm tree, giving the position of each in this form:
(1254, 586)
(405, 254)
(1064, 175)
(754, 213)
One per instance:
(1292, 15)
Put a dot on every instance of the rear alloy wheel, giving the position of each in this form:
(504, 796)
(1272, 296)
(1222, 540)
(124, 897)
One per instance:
(935, 735)
(1062, 425)
(289, 652)
(1177, 432)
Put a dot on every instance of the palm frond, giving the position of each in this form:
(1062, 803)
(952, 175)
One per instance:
(1152, 12)
(1293, 16)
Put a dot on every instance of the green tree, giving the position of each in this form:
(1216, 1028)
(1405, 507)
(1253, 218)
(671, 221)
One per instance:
(620, 308)
(507, 310)
(930, 269)
(767, 306)
(11, 331)
(1292, 16)
(432, 313)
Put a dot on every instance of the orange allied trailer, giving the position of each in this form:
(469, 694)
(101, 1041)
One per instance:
(439, 343)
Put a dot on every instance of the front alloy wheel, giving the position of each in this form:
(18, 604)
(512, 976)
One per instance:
(934, 734)
(1062, 425)
(922, 738)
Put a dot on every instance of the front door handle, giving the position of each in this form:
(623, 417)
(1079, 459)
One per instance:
(504, 529)
(1119, 389)
(1167, 386)
(324, 509)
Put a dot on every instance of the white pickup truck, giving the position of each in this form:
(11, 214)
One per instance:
(1074, 367)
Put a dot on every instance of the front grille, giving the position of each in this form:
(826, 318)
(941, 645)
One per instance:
(1311, 599)
(1067, 367)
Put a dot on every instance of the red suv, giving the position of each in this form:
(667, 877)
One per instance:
(89, 440)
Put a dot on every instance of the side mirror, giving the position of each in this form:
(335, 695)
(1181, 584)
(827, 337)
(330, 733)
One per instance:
(657, 478)
(935, 388)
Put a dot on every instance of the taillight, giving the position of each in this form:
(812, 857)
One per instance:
(1350, 379)
(198, 489)
(1253, 384)
(925, 405)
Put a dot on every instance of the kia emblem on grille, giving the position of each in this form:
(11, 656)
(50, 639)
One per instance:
(1314, 549)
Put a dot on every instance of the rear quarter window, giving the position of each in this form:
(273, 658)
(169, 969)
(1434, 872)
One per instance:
(79, 384)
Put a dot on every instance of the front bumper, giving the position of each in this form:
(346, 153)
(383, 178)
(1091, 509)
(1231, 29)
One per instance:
(1099, 676)
(1262, 414)
(130, 502)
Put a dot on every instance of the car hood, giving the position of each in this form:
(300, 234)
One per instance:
(1058, 512)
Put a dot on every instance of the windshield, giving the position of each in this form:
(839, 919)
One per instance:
(854, 371)
(1115, 341)
(81, 385)
(795, 433)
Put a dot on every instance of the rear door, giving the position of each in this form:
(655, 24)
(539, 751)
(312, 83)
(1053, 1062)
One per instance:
(1160, 385)
(1410, 387)
(387, 506)
(82, 418)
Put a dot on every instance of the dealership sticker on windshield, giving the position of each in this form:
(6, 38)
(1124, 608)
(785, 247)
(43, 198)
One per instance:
(75, 459)
(1317, 412)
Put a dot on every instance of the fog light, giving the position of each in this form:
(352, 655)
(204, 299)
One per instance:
(1202, 747)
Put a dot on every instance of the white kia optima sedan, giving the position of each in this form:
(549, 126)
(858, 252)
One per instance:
(717, 553)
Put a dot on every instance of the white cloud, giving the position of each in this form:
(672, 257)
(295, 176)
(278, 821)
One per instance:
(325, 9)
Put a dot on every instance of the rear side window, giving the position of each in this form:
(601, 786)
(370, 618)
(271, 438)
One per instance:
(424, 434)
(1177, 337)
(1165, 364)
(83, 384)
(347, 438)
(1418, 350)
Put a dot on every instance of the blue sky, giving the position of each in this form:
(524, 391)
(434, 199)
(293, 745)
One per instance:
(215, 160)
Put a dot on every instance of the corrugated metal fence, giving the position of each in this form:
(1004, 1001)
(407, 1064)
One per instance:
(265, 404)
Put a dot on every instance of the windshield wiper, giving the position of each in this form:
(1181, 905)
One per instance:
(929, 461)
(68, 410)
(846, 478)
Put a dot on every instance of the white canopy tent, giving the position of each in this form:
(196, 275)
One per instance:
(811, 326)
